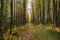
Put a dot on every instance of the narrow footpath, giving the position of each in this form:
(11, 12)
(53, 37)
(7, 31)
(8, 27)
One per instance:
(29, 34)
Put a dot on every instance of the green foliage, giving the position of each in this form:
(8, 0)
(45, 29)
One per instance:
(43, 34)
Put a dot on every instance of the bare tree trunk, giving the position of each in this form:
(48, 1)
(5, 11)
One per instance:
(24, 11)
(54, 13)
(11, 22)
(43, 21)
(45, 10)
(41, 15)
(2, 12)
(57, 15)
(1, 18)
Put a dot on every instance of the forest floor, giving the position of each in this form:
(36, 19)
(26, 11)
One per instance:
(33, 32)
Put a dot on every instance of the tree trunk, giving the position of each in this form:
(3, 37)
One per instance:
(11, 22)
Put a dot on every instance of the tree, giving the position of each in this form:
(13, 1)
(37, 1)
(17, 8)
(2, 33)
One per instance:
(24, 12)
(11, 22)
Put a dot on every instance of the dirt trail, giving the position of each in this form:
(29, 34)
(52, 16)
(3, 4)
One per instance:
(28, 35)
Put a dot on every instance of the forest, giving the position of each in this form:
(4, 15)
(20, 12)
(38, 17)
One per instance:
(29, 20)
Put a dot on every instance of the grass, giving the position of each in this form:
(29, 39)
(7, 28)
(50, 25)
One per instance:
(41, 33)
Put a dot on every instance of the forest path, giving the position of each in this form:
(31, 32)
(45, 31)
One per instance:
(29, 33)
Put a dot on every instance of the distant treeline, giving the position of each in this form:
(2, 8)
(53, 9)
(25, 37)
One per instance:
(14, 12)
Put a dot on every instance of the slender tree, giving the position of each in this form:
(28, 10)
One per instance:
(11, 22)
(24, 11)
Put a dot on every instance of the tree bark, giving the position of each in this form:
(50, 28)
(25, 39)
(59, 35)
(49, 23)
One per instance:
(11, 21)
